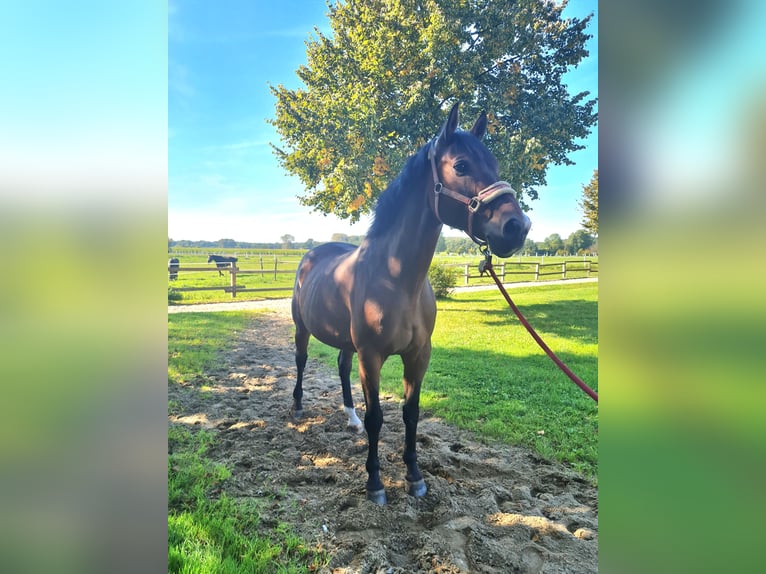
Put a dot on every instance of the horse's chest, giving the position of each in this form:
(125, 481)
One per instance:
(392, 327)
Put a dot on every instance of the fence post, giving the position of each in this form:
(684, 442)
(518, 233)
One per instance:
(564, 270)
(275, 267)
(537, 271)
(233, 273)
(465, 274)
(260, 257)
(502, 272)
(587, 268)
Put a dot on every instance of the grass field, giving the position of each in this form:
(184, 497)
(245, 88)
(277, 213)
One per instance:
(263, 263)
(486, 375)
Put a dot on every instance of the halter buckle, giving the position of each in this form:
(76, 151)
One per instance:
(474, 204)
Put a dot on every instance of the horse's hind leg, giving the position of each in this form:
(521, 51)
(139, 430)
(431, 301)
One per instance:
(345, 360)
(301, 356)
(415, 366)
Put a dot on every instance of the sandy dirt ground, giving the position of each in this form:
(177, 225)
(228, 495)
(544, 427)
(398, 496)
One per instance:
(490, 508)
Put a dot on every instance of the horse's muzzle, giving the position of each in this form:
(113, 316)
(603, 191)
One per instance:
(508, 237)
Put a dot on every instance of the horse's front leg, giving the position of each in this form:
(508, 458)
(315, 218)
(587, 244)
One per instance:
(369, 373)
(345, 360)
(415, 366)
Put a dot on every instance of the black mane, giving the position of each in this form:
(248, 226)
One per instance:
(390, 203)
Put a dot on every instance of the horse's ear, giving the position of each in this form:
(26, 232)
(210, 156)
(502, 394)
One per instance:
(479, 128)
(449, 127)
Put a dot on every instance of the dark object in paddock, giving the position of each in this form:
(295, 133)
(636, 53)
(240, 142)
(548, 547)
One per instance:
(173, 265)
(222, 262)
(375, 299)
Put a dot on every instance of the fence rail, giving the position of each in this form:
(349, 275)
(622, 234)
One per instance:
(589, 268)
(565, 269)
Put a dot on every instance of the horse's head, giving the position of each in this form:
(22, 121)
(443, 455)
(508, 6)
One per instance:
(468, 194)
(210, 258)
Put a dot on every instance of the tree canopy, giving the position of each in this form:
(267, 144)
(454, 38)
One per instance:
(375, 88)
(589, 204)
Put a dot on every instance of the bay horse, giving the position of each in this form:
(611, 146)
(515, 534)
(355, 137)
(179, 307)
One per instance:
(222, 262)
(375, 299)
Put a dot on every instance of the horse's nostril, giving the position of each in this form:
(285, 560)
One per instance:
(512, 228)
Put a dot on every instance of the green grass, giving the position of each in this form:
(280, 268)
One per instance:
(488, 375)
(208, 531)
(195, 338)
(217, 534)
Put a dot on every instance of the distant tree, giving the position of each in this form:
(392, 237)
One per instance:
(460, 245)
(287, 241)
(441, 244)
(342, 237)
(226, 243)
(589, 204)
(309, 244)
(553, 244)
(376, 86)
(530, 247)
(578, 241)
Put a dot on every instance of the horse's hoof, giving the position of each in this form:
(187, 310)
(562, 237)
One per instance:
(354, 428)
(417, 489)
(298, 415)
(377, 496)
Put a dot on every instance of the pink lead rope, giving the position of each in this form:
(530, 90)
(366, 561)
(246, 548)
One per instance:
(487, 266)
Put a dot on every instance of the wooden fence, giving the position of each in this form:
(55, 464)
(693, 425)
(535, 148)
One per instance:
(534, 271)
(235, 272)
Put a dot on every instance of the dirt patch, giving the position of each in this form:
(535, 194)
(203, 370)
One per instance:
(490, 508)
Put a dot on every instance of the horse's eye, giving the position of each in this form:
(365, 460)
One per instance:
(461, 167)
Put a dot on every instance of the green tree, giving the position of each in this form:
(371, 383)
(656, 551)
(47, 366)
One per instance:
(287, 241)
(530, 247)
(460, 245)
(376, 88)
(553, 244)
(441, 244)
(578, 241)
(589, 204)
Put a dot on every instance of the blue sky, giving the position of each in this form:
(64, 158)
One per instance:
(223, 179)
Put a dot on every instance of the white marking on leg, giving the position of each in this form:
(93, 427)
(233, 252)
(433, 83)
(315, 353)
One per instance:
(353, 420)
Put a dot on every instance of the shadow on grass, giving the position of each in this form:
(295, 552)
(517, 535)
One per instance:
(576, 318)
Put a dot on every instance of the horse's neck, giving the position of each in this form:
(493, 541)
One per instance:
(408, 248)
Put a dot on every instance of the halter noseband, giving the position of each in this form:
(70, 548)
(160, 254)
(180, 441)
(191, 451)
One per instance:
(473, 204)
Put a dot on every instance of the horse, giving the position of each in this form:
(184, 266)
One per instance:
(173, 265)
(222, 262)
(375, 299)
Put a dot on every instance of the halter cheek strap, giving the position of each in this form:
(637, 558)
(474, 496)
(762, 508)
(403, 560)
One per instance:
(474, 203)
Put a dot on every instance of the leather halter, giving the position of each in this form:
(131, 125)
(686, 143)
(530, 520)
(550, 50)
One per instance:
(475, 203)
